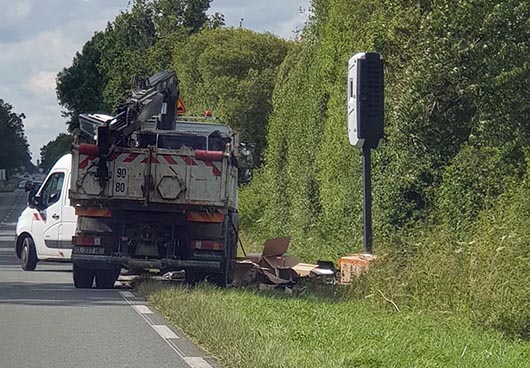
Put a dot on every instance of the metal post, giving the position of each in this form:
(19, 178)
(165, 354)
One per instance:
(367, 199)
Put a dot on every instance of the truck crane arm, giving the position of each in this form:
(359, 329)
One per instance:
(156, 95)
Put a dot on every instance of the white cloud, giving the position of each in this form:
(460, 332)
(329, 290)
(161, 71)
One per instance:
(42, 82)
(42, 50)
(289, 28)
(279, 17)
(16, 10)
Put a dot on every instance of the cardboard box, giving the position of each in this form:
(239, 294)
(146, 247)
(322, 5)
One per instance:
(276, 266)
(352, 266)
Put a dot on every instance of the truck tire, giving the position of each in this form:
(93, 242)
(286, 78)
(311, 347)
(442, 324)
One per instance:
(193, 278)
(226, 278)
(105, 278)
(83, 277)
(28, 255)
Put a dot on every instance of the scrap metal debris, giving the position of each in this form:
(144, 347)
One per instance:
(274, 268)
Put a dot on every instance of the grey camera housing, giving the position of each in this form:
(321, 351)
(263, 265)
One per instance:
(365, 100)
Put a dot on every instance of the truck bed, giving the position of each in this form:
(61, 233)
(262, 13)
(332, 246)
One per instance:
(155, 176)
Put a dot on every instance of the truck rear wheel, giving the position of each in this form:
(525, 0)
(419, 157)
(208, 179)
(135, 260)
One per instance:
(83, 277)
(105, 278)
(193, 278)
(226, 278)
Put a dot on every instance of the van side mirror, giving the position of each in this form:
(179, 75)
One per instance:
(34, 201)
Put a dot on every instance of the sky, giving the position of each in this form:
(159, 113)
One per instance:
(40, 37)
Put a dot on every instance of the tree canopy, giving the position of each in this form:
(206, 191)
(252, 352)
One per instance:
(133, 44)
(14, 152)
(455, 91)
(232, 72)
(53, 150)
(229, 71)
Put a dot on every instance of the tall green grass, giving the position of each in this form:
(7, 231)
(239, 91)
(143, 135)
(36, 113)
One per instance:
(482, 275)
(243, 328)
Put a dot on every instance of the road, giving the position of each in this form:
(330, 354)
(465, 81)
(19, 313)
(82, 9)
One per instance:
(46, 322)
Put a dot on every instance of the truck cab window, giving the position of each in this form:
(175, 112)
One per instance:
(174, 141)
(217, 141)
(51, 192)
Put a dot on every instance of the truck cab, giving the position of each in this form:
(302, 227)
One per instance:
(45, 228)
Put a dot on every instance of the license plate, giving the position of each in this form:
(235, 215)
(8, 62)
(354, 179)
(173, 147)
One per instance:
(89, 250)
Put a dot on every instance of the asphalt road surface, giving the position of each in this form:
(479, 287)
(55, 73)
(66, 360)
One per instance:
(46, 322)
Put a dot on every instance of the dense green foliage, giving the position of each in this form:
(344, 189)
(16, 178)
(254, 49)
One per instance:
(53, 150)
(79, 87)
(232, 72)
(101, 74)
(450, 203)
(310, 187)
(14, 152)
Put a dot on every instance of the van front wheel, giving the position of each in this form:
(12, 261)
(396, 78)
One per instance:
(28, 255)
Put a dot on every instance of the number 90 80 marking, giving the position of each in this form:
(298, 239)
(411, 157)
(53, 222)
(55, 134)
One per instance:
(120, 186)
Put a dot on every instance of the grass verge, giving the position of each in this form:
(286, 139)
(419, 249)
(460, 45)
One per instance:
(244, 328)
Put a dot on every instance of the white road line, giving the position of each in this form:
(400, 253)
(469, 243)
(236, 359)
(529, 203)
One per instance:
(165, 332)
(197, 362)
(127, 294)
(142, 309)
(171, 344)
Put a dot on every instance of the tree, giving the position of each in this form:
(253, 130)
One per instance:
(232, 72)
(14, 152)
(124, 51)
(80, 86)
(172, 15)
(136, 43)
(53, 150)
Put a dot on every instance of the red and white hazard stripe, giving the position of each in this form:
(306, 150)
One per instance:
(212, 160)
(193, 161)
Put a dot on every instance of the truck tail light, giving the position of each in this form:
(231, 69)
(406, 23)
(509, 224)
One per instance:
(86, 241)
(208, 245)
(199, 216)
(92, 212)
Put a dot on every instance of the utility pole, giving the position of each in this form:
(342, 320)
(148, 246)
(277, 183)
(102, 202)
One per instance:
(367, 199)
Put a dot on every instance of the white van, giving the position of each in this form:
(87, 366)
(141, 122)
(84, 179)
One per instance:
(45, 228)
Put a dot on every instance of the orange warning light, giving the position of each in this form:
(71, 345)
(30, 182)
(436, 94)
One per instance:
(181, 108)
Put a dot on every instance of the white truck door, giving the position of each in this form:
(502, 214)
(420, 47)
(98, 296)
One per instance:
(46, 226)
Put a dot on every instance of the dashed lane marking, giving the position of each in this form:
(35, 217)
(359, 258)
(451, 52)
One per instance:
(127, 294)
(146, 318)
(197, 362)
(165, 332)
(142, 309)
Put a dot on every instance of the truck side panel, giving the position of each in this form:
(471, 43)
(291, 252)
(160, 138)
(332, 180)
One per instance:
(165, 177)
